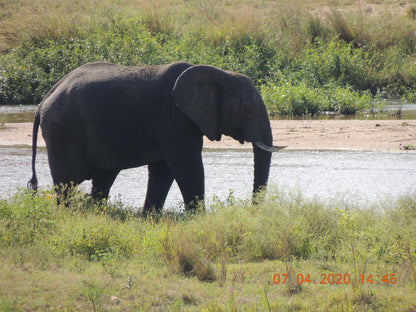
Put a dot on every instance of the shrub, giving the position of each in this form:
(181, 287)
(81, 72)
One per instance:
(351, 46)
(335, 62)
(183, 254)
(95, 239)
(26, 74)
(291, 100)
(300, 100)
(25, 219)
(280, 228)
(346, 101)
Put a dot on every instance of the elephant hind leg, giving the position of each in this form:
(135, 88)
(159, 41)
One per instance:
(66, 176)
(66, 155)
(64, 191)
(160, 181)
(102, 180)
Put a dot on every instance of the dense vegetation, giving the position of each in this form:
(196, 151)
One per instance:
(108, 258)
(304, 56)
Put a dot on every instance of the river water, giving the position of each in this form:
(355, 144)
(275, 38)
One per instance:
(356, 176)
(359, 177)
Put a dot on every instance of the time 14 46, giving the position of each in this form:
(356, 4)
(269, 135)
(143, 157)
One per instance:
(376, 279)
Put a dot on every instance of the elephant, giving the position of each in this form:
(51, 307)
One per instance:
(102, 118)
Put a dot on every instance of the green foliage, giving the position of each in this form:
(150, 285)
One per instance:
(280, 228)
(25, 219)
(347, 101)
(291, 100)
(187, 256)
(5, 306)
(285, 234)
(336, 62)
(27, 74)
(96, 239)
(325, 74)
(300, 99)
(94, 295)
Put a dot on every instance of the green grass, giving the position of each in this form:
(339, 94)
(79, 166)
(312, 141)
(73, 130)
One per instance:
(322, 56)
(108, 258)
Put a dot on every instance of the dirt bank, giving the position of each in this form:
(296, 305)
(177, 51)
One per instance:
(372, 135)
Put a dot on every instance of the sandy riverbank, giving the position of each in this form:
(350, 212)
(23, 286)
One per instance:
(372, 135)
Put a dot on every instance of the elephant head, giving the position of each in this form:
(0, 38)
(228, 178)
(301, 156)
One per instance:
(222, 102)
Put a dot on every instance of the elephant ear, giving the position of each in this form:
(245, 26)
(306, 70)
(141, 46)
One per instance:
(197, 93)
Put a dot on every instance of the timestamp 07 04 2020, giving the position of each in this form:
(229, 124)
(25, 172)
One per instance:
(337, 279)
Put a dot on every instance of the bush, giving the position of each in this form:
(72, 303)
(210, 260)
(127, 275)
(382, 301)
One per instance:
(94, 239)
(303, 76)
(301, 100)
(347, 101)
(281, 228)
(337, 62)
(25, 219)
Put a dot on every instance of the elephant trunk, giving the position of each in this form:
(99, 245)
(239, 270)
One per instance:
(262, 159)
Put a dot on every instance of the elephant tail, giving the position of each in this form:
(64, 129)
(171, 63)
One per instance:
(32, 185)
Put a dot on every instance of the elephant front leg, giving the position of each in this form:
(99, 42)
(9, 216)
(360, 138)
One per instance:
(160, 181)
(189, 175)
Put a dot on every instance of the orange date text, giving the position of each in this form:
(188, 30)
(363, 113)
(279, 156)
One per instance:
(335, 279)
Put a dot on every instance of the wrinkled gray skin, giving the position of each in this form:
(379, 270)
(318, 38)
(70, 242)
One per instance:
(102, 118)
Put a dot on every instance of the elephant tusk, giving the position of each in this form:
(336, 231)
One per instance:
(267, 148)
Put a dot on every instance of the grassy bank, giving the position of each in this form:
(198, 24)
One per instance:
(305, 56)
(335, 256)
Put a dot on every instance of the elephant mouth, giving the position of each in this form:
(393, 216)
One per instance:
(268, 148)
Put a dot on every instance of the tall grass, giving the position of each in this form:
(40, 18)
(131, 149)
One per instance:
(364, 49)
(235, 246)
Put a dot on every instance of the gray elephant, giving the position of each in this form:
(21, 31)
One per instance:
(102, 118)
